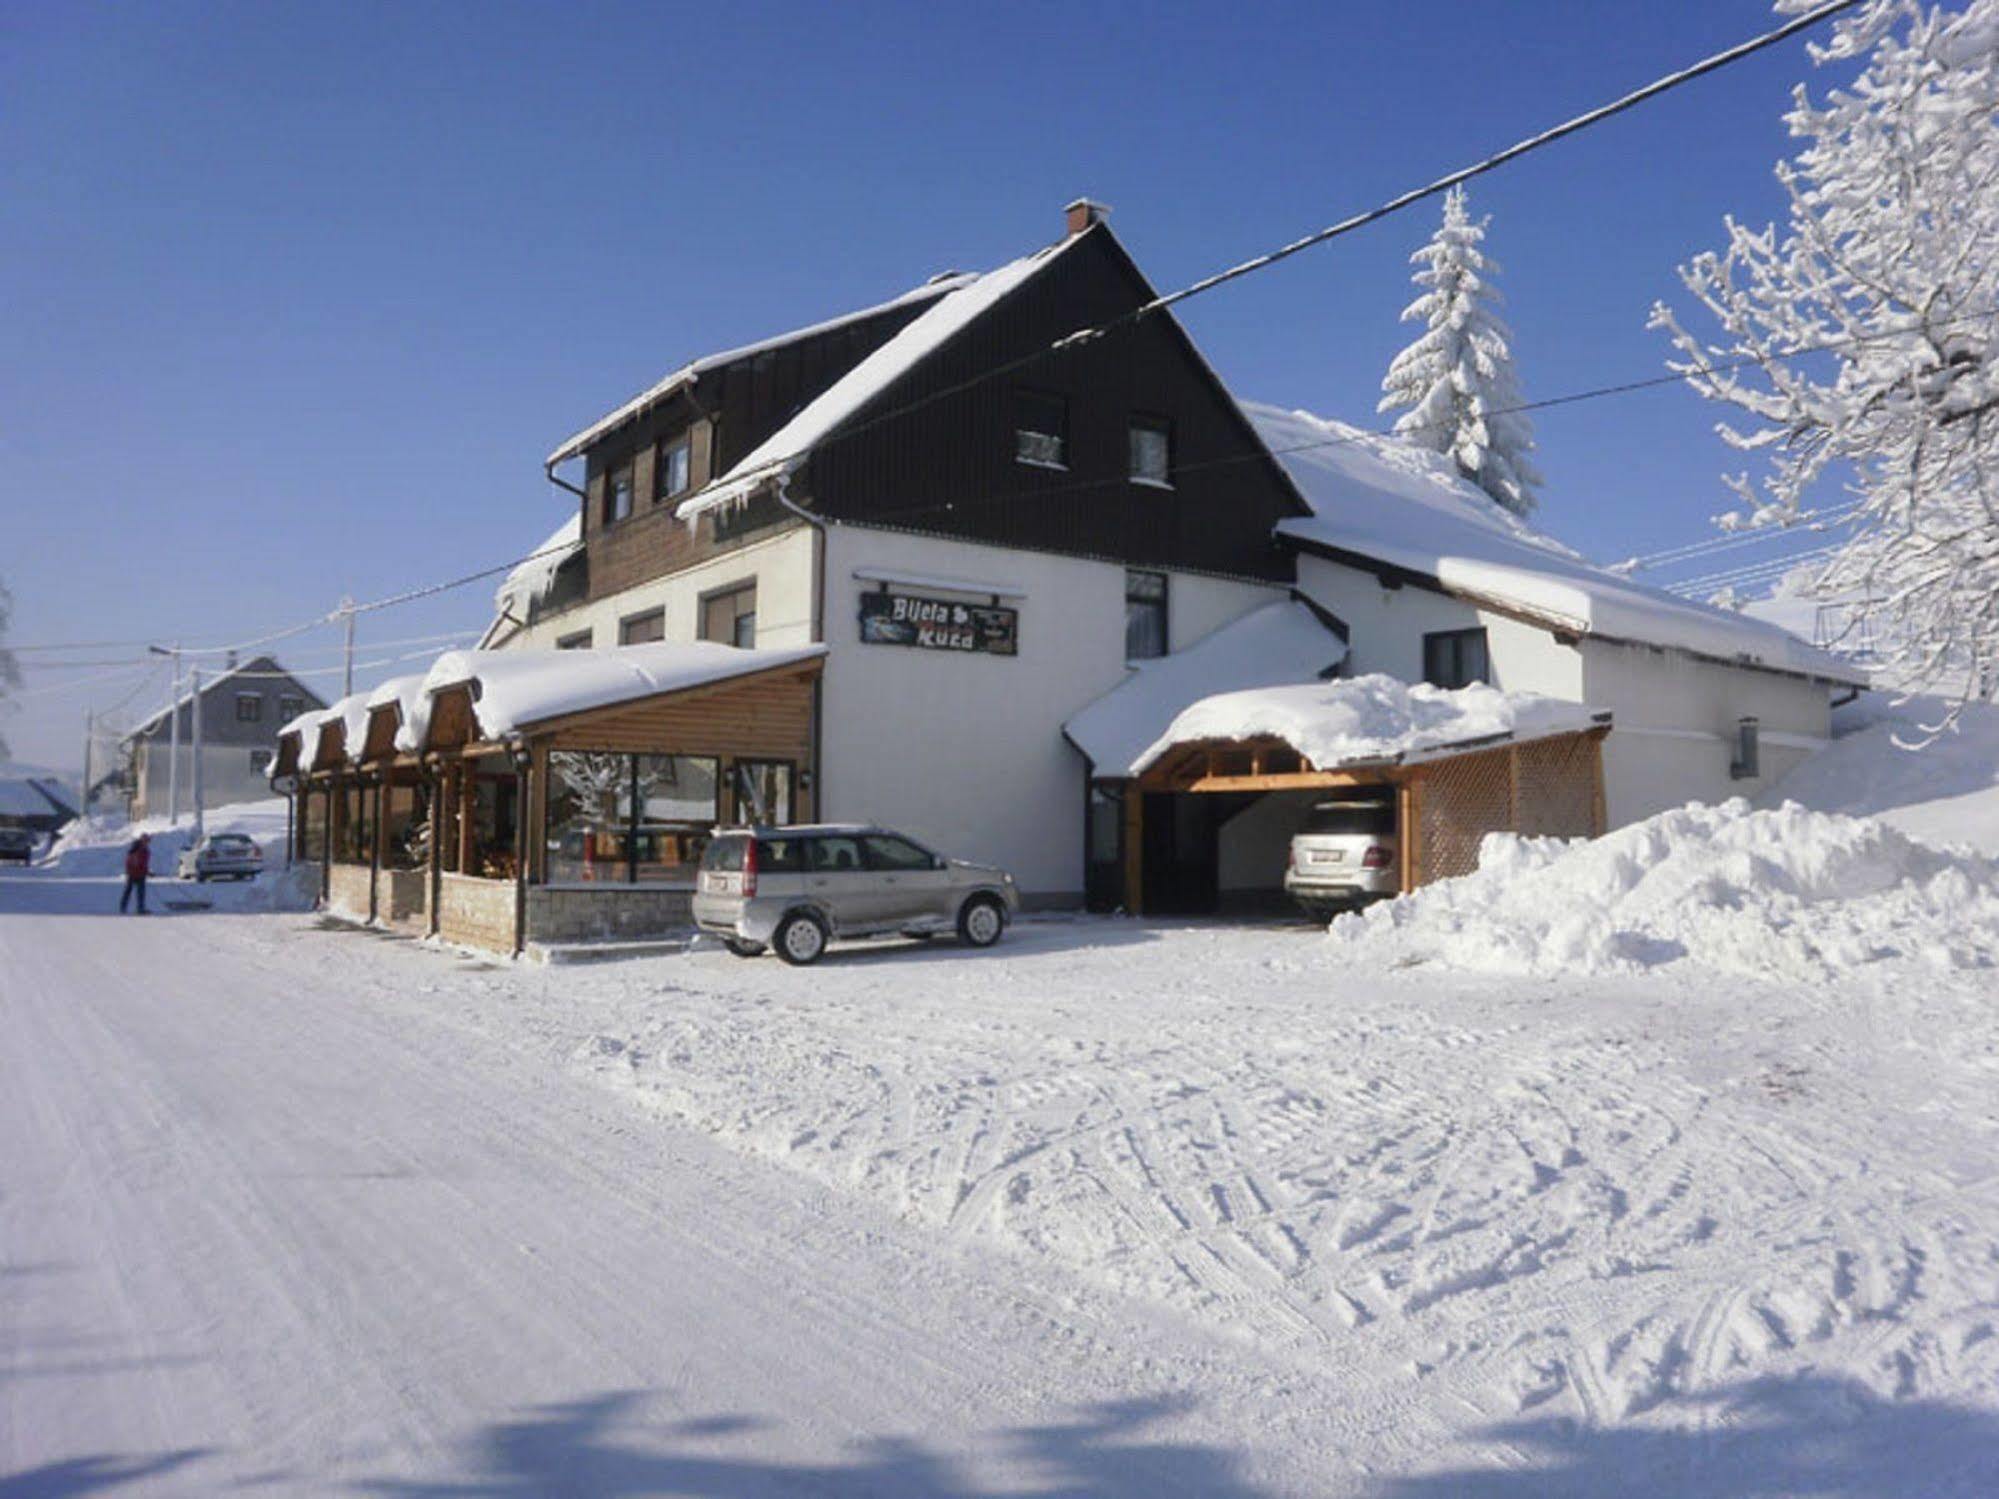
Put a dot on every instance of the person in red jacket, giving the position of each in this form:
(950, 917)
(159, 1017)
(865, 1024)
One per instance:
(138, 864)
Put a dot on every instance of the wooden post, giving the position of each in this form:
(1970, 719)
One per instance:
(468, 803)
(538, 816)
(1134, 849)
(1513, 788)
(436, 849)
(375, 846)
(1599, 818)
(520, 860)
(326, 845)
(1412, 833)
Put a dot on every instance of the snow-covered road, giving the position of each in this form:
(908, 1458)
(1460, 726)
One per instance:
(266, 1221)
(1120, 1208)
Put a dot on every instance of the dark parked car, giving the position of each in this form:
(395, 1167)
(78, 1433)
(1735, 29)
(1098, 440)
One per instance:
(18, 844)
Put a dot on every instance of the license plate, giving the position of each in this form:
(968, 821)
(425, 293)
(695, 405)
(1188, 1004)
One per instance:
(1327, 856)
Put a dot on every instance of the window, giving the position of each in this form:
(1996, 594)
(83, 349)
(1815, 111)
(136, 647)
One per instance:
(1455, 658)
(621, 818)
(580, 641)
(290, 708)
(1747, 763)
(676, 465)
(259, 759)
(1152, 451)
(836, 856)
(1144, 615)
(895, 854)
(763, 792)
(249, 707)
(641, 629)
(731, 617)
(617, 494)
(1041, 429)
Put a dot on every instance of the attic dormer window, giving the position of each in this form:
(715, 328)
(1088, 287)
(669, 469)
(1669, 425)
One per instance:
(676, 465)
(1152, 451)
(617, 494)
(1041, 429)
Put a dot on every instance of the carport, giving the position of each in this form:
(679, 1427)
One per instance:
(1217, 793)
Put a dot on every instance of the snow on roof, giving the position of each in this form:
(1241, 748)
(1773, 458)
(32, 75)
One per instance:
(31, 796)
(268, 668)
(689, 373)
(532, 579)
(1370, 719)
(413, 708)
(1385, 499)
(785, 448)
(516, 688)
(1280, 643)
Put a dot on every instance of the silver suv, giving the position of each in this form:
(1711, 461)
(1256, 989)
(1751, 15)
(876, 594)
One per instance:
(794, 889)
(1344, 855)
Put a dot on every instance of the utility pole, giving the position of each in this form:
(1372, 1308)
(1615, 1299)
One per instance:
(197, 753)
(347, 608)
(89, 733)
(173, 738)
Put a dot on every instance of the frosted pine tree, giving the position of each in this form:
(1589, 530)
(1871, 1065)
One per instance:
(1457, 378)
(1861, 340)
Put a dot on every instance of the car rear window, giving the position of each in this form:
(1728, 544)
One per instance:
(1367, 818)
(231, 840)
(724, 853)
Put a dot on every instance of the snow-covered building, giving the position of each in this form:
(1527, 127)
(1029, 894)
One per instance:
(1091, 618)
(239, 710)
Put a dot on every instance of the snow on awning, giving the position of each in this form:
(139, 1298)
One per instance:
(1381, 498)
(412, 704)
(515, 689)
(1374, 719)
(1280, 643)
(780, 454)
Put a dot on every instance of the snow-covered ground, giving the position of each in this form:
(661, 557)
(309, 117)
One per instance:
(1240, 1204)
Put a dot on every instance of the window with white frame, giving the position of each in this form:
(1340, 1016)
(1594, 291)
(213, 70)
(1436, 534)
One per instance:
(1041, 429)
(676, 465)
(1144, 615)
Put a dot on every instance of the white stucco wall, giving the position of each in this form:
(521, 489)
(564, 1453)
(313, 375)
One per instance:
(781, 567)
(964, 750)
(1675, 720)
(1388, 626)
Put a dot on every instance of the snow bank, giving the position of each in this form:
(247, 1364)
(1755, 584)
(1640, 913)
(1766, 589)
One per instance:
(1783, 892)
(1375, 717)
(94, 848)
(1279, 644)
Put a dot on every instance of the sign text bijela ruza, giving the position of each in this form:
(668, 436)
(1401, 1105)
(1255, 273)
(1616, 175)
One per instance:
(938, 624)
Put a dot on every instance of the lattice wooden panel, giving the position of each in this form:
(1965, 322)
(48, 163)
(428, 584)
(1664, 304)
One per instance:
(1557, 787)
(1461, 800)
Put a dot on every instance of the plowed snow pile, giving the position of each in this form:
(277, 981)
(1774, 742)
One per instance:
(1784, 891)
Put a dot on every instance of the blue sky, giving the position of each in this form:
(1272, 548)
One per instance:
(298, 297)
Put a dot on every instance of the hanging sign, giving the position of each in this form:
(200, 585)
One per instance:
(938, 624)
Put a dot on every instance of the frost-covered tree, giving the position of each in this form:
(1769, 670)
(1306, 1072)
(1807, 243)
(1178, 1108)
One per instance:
(1861, 340)
(1457, 378)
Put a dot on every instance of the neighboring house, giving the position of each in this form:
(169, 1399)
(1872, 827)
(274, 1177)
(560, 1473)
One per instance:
(35, 803)
(982, 559)
(242, 709)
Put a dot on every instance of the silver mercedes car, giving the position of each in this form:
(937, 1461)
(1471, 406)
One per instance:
(794, 889)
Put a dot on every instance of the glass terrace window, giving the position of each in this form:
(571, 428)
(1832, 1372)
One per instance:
(1041, 429)
(622, 818)
(1144, 615)
(1152, 451)
(642, 629)
(676, 466)
(617, 494)
(731, 617)
(1455, 658)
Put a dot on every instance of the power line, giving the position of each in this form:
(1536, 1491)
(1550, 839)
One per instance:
(1514, 152)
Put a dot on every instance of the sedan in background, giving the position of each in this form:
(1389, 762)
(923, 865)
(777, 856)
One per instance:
(17, 844)
(222, 856)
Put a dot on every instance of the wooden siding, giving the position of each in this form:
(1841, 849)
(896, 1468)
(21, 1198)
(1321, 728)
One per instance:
(959, 449)
(766, 717)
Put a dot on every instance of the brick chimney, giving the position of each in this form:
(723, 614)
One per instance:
(1082, 213)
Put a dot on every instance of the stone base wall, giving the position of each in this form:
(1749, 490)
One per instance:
(607, 912)
(476, 912)
(402, 899)
(347, 890)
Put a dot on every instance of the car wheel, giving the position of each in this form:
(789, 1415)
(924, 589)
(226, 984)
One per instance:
(741, 948)
(800, 939)
(980, 921)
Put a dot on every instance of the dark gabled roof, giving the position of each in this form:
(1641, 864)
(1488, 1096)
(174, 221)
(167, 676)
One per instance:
(264, 667)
